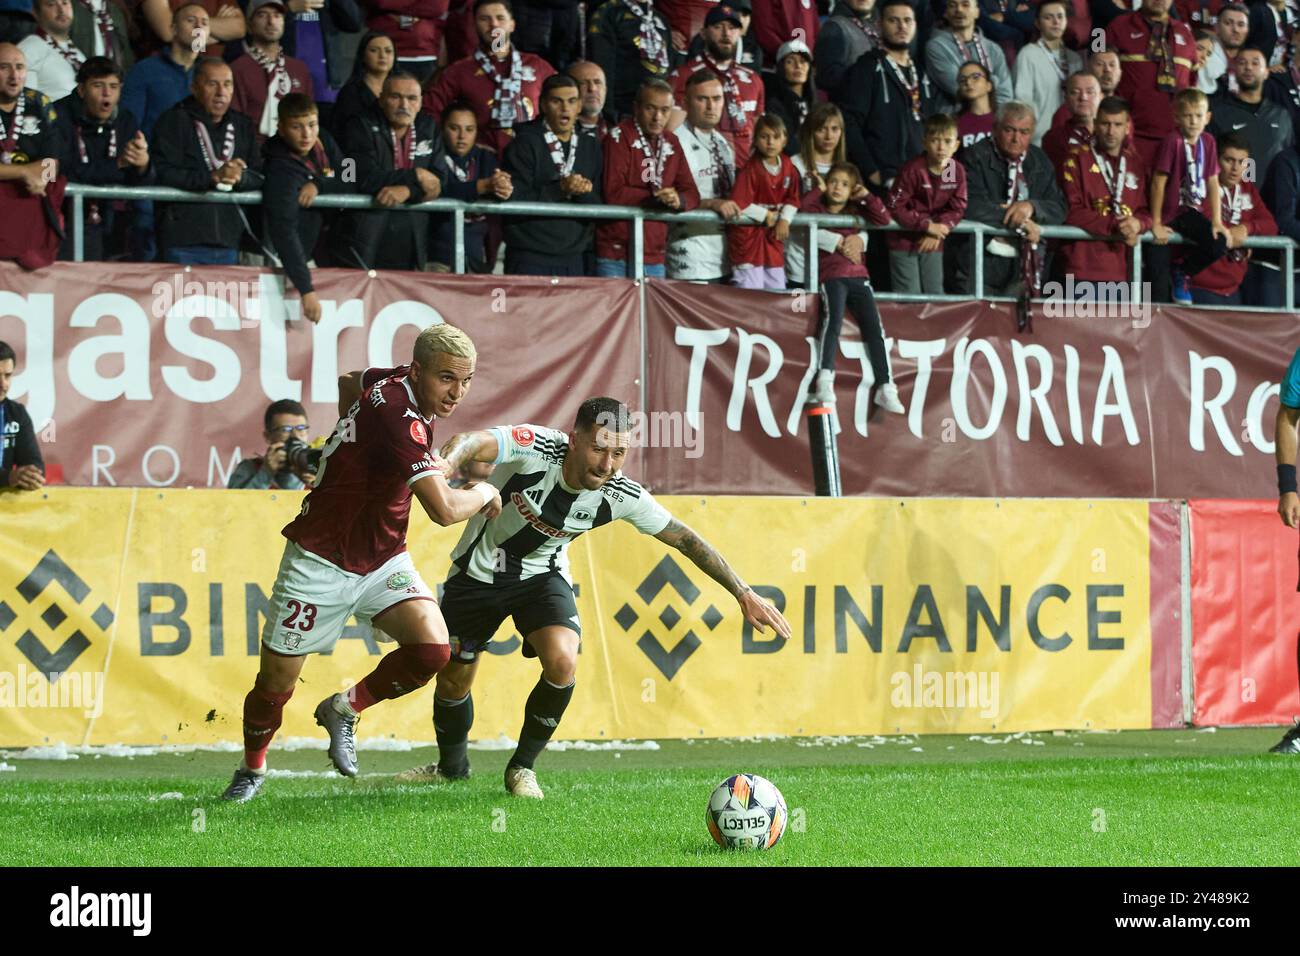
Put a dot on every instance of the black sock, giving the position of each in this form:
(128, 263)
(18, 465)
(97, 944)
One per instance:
(452, 720)
(542, 715)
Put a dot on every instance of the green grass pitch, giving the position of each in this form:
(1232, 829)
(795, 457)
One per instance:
(1179, 797)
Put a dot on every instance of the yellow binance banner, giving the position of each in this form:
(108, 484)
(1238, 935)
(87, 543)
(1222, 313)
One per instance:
(134, 615)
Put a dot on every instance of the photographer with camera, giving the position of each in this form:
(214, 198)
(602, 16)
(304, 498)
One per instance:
(289, 463)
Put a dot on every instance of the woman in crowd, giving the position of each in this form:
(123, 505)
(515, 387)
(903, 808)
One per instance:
(360, 94)
(790, 92)
(978, 103)
(821, 146)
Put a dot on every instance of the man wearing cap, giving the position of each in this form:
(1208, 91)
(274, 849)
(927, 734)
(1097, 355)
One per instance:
(264, 75)
(748, 53)
(500, 82)
(1158, 55)
(743, 96)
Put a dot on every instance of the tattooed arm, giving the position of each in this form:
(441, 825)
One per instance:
(705, 557)
(469, 446)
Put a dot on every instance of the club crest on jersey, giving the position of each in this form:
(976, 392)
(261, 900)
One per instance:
(399, 580)
(418, 433)
(523, 436)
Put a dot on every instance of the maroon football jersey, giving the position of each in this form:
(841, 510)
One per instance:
(355, 516)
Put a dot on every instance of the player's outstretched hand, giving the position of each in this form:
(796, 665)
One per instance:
(761, 613)
(1288, 506)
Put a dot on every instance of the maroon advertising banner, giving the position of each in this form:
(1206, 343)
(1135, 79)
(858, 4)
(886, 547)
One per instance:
(158, 375)
(152, 375)
(1102, 399)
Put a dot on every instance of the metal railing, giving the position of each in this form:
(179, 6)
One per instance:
(79, 192)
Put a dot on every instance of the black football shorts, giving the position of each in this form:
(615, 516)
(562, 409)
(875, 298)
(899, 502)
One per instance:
(474, 610)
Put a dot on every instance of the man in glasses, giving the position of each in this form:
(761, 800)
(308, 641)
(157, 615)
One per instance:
(283, 420)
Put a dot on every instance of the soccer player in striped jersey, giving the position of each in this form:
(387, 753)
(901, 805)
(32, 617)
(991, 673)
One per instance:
(553, 487)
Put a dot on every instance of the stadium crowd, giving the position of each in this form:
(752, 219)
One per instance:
(1117, 118)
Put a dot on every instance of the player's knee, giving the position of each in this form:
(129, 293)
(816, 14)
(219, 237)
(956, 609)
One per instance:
(561, 668)
(424, 660)
(453, 683)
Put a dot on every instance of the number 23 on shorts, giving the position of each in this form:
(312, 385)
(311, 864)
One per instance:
(303, 614)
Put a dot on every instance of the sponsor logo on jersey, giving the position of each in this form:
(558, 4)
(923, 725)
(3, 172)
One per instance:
(523, 436)
(419, 434)
(581, 516)
(399, 580)
(526, 513)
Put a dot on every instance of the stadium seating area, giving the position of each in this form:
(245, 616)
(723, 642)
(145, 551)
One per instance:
(1057, 114)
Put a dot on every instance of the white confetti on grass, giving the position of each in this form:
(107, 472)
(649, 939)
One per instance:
(62, 751)
(169, 795)
(589, 745)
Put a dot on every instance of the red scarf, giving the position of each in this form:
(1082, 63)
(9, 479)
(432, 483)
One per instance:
(404, 148)
(1160, 50)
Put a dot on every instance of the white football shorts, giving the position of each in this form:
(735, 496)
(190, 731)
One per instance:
(313, 599)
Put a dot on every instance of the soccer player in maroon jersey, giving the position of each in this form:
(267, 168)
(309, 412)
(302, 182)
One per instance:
(346, 552)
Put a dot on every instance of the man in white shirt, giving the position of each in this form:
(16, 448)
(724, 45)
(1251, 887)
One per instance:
(52, 59)
(698, 251)
(1042, 67)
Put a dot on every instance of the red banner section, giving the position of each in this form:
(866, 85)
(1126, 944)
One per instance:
(1163, 404)
(1166, 556)
(1245, 613)
(159, 375)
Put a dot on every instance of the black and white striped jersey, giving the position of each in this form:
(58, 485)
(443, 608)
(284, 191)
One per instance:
(540, 514)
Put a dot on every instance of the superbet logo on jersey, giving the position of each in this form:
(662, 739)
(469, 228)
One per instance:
(523, 436)
(419, 434)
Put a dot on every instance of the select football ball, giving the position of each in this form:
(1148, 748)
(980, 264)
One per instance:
(746, 812)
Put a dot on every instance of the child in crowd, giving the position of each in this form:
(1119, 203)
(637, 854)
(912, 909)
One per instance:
(472, 175)
(929, 197)
(846, 283)
(821, 146)
(1185, 194)
(1244, 215)
(767, 192)
(301, 162)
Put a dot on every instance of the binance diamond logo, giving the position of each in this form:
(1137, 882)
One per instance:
(52, 570)
(667, 573)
